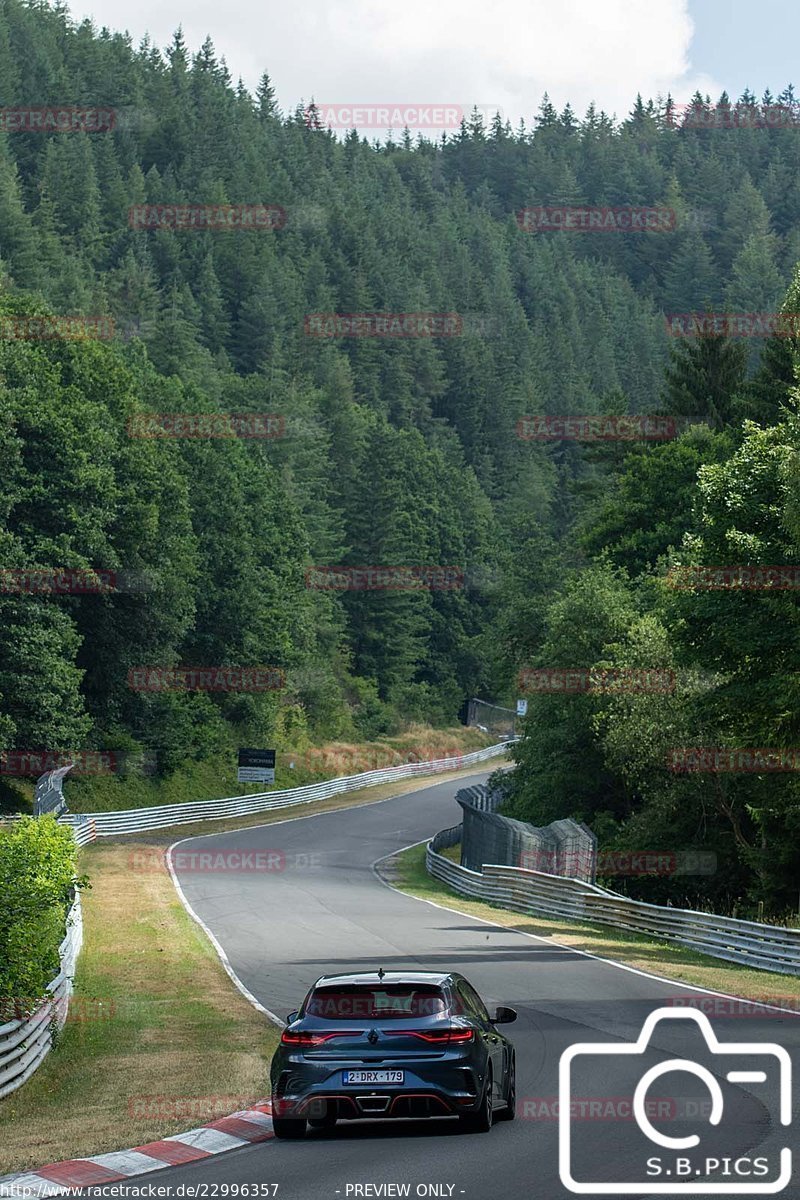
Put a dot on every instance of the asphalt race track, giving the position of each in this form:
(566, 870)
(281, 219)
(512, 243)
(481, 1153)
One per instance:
(326, 911)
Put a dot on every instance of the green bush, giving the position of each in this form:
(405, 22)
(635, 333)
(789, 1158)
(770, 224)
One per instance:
(37, 878)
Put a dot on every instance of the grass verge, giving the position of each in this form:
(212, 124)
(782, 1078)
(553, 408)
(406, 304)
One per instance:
(407, 872)
(158, 1039)
(368, 795)
(216, 776)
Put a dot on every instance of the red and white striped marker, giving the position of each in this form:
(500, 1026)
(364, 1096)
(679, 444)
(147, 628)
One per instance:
(228, 1133)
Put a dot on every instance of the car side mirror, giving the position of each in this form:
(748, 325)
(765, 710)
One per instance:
(504, 1016)
(292, 1017)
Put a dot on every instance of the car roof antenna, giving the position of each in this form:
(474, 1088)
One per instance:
(381, 973)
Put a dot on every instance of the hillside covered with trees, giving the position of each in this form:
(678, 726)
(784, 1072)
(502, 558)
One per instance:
(403, 451)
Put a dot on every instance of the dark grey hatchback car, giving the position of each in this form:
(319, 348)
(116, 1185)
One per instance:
(392, 1044)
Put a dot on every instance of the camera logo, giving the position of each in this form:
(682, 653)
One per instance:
(715, 1168)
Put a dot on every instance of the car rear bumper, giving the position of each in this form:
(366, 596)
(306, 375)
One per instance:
(375, 1103)
(441, 1085)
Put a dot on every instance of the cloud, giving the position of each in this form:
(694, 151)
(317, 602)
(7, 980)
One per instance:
(503, 54)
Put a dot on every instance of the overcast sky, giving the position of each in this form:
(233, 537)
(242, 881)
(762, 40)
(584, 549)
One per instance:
(499, 54)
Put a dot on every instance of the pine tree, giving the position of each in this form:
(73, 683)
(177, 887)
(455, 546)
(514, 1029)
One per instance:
(705, 376)
(265, 96)
(755, 285)
(768, 393)
(214, 321)
(691, 280)
(9, 74)
(746, 216)
(17, 239)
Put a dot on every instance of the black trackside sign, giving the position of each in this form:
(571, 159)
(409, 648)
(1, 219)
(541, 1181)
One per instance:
(256, 766)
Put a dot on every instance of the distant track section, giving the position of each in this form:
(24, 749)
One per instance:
(90, 826)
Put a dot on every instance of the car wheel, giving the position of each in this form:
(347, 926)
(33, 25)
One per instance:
(510, 1110)
(480, 1121)
(289, 1128)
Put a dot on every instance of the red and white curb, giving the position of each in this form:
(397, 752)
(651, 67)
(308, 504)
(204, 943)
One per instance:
(228, 1133)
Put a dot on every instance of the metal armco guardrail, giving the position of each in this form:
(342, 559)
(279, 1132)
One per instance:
(446, 838)
(766, 947)
(49, 794)
(89, 826)
(24, 1044)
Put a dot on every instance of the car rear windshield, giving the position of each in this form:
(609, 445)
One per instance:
(367, 1002)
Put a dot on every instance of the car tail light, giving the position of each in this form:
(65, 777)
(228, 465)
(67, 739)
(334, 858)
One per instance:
(306, 1037)
(438, 1037)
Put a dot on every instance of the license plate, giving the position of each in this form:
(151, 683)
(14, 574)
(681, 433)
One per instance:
(373, 1076)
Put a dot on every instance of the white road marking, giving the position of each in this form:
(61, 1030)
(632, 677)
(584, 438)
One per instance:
(691, 987)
